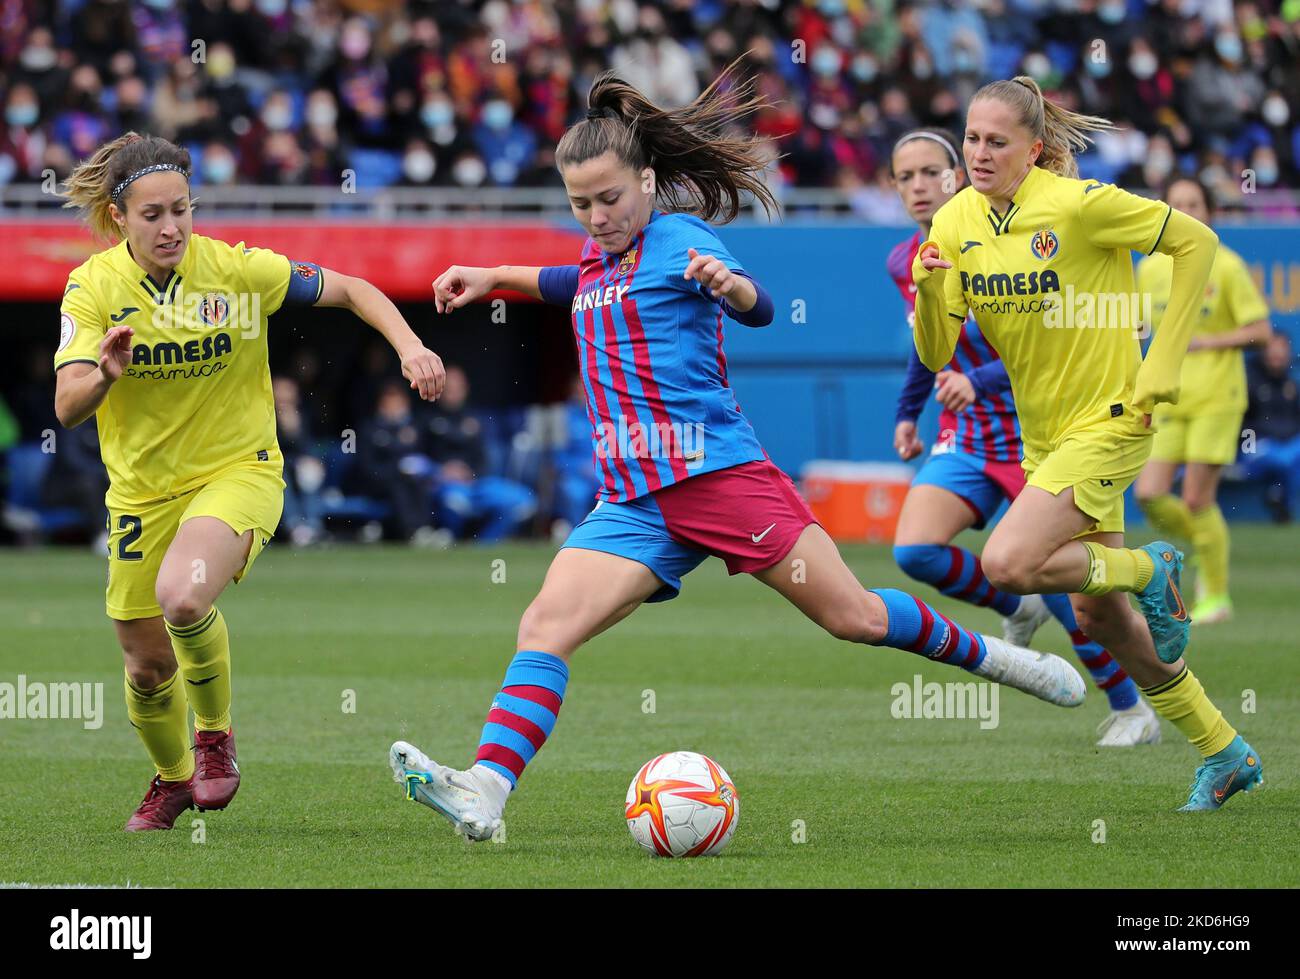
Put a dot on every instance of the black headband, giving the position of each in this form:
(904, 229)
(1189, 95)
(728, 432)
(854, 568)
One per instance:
(130, 178)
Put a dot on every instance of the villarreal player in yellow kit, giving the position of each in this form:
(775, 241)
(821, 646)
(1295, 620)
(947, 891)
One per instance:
(164, 340)
(1202, 432)
(1042, 259)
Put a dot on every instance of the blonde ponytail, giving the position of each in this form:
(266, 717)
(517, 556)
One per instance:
(89, 188)
(1063, 132)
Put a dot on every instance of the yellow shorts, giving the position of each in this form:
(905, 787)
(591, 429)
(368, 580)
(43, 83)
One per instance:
(1099, 462)
(245, 498)
(1210, 438)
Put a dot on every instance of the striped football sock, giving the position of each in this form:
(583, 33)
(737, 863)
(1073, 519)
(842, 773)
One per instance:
(956, 572)
(1109, 676)
(523, 714)
(919, 628)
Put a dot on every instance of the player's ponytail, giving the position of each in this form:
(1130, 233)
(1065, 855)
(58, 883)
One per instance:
(89, 187)
(699, 167)
(1063, 132)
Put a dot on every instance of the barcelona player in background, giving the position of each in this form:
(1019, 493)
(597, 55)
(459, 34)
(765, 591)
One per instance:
(164, 342)
(684, 476)
(1042, 260)
(1202, 430)
(975, 462)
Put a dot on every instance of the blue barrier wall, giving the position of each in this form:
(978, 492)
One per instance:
(826, 387)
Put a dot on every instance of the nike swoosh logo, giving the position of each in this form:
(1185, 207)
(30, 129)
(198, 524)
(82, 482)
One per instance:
(199, 683)
(1091, 187)
(118, 317)
(1220, 794)
(969, 245)
(1172, 589)
(758, 538)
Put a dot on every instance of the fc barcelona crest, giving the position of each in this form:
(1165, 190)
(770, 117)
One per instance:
(1044, 243)
(627, 262)
(214, 310)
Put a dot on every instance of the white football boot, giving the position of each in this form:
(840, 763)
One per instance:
(1046, 676)
(1138, 724)
(471, 802)
(1019, 627)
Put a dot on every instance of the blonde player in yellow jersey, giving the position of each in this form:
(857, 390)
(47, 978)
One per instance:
(1042, 259)
(1202, 432)
(164, 341)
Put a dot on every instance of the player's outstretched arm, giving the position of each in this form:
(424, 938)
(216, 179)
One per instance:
(420, 365)
(743, 299)
(80, 388)
(1193, 247)
(461, 285)
(936, 327)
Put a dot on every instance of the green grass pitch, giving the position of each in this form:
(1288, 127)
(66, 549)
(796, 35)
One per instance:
(801, 722)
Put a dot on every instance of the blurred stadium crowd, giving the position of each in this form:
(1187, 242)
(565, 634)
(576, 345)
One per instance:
(467, 93)
(475, 93)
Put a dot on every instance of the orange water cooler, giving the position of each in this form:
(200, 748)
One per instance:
(856, 501)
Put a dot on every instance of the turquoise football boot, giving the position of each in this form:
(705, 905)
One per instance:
(1237, 768)
(1162, 603)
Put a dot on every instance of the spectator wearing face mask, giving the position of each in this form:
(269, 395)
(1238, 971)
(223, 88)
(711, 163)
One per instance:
(22, 141)
(506, 145)
(359, 81)
(1222, 90)
(38, 66)
(418, 164)
(656, 64)
(218, 166)
(320, 140)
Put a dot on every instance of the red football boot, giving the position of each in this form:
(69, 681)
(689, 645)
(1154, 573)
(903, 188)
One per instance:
(162, 804)
(216, 776)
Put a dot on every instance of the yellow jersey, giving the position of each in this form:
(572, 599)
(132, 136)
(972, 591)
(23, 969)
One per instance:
(195, 400)
(1212, 380)
(1050, 282)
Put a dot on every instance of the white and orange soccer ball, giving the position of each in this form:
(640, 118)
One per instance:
(682, 804)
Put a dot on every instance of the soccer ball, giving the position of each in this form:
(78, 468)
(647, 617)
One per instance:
(682, 805)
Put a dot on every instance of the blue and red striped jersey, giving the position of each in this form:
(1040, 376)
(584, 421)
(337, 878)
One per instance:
(650, 353)
(989, 428)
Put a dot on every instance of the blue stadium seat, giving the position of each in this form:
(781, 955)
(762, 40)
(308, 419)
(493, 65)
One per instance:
(27, 468)
(375, 168)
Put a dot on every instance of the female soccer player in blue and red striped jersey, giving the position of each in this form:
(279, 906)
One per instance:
(975, 463)
(684, 476)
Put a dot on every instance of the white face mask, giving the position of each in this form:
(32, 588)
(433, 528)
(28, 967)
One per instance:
(38, 59)
(1275, 111)
(419, 166)
(1160, 164)
(1143, 64)
(322, 115)
(469, 172)
(277, 117)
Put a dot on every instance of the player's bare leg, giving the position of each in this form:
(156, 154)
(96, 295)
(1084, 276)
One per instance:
(585, 593)
(203, 558)
(815, 579)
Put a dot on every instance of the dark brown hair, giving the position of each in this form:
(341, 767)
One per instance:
(699, 168)
(1189, 178)
(90, 186)
(930, 134)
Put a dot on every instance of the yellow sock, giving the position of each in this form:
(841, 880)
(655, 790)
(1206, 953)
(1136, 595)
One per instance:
(159, 717)
(203, 651)
(1210, 538)
(1116, 569)
(1169, 515)
(1183, 702)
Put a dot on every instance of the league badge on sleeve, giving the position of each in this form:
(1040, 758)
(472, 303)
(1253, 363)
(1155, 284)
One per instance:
(67, 330)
